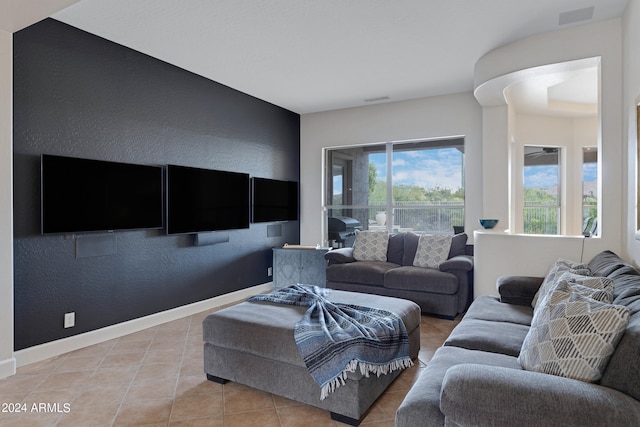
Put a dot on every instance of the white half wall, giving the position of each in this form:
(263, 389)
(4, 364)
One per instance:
(434, 117)
(7, 362)
(527, 255)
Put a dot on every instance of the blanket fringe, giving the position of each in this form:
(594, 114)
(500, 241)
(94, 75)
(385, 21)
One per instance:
(365, 369)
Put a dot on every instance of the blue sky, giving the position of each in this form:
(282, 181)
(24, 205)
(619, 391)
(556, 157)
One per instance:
(547, 176)
(424, 168)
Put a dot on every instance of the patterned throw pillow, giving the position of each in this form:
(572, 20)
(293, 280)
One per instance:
(432, 250)
(560, 266)
(572, 335)
(598, 288)
(371, 245)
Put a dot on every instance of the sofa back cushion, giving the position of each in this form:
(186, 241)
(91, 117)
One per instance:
(458, 245)
(395, 250)
(608, 264)
(623, 370)
(410, 248)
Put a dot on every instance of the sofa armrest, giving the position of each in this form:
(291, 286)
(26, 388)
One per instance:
(482, 395)
(518, 290)
(458, 262)
(340, 256)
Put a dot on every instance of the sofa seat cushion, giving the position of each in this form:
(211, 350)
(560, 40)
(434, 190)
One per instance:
(488, 307)
(421, 406)
(485, 335)
(364, 272)
(422, 279)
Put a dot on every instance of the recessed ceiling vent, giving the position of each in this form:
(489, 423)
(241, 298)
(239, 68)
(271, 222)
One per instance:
(576, 16)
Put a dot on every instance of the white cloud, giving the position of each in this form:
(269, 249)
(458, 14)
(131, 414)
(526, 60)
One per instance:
(438, 168)
(540, 177)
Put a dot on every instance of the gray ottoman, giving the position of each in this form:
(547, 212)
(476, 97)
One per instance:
(252, 343)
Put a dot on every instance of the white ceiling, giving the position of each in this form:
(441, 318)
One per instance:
(309, 56)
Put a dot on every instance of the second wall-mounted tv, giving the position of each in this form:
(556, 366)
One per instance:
(84, 195)
(201, 200)
(274, 200)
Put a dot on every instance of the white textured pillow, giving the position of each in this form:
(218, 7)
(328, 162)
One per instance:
(572, 335)
(371, 245)
(560, 266)
(432, 250)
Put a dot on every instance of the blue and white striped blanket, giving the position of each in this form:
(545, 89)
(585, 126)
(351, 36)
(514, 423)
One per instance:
(335, 339)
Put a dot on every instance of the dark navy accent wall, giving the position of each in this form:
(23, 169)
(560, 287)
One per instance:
(77, 94)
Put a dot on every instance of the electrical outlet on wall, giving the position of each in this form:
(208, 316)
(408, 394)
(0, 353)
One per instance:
(70, 319)
(269, 271)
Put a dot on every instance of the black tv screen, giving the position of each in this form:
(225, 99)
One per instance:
(83, 195)
(274, 200)
(206, 200)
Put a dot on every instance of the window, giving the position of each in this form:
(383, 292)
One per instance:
(590, 191)
(542, 190)
(417, 186)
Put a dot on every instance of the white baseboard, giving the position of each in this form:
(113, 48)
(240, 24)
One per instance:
(7, 367)
(55, 348)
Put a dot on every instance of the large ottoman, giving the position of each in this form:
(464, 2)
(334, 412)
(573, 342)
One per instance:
(252, 343)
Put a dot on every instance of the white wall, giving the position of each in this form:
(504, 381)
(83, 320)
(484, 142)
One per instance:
(631, 97)
(496, 253)
(450, 115)
(7, 362)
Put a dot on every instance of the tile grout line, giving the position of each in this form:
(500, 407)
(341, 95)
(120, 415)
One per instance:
(124, 396)
(184, 350)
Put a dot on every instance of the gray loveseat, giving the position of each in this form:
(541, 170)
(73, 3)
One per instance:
(475, 378)
(445, 291)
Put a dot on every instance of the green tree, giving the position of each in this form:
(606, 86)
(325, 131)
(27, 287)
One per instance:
(439, 194)
(542, 215)
(373, 173)
(408, 193)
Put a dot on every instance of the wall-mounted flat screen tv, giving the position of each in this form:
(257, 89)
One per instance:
(273, 200)
(206, 200)
(83, 195)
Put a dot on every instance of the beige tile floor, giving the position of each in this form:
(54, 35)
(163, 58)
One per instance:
(155, 378)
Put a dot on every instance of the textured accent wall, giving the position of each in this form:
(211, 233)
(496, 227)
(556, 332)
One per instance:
(76, 94)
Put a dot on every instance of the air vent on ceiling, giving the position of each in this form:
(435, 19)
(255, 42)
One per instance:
(576, 15)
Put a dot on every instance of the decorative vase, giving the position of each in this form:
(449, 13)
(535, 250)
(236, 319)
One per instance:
(381, 217)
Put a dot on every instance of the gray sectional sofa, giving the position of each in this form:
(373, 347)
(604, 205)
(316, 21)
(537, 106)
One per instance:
(445, 291)
(475, 379)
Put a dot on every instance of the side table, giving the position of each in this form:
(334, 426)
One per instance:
(304, 265)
